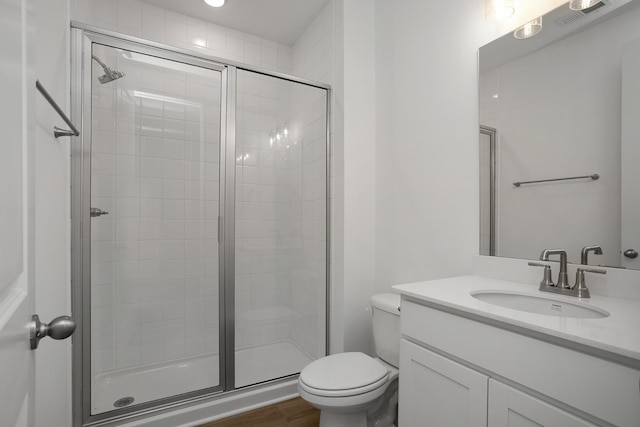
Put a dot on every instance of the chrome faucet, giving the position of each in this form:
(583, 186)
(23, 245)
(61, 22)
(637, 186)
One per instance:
(597, 250)
(563, 277)
(579, 289)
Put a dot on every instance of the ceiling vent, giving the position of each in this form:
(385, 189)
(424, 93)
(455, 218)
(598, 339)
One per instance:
(574, 16)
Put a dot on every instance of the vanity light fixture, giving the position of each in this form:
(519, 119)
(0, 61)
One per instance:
(499, 10)
(529, 29)
(215, 3)
(582, 4)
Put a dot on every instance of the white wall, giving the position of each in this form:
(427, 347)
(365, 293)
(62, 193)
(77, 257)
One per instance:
(427, 164)
(427, 134)
(404, 137)
(52, 213)
(359, 151)
(338, 48)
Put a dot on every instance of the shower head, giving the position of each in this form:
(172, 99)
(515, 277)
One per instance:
(109, 74)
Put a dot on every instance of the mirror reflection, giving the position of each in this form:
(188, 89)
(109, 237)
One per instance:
(563, 104)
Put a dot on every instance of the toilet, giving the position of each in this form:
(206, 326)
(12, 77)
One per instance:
(354, 389)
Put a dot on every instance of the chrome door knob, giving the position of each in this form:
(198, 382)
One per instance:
(630, 253)
(59, 328)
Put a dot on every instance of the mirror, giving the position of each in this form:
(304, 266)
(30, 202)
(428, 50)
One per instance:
(563, 104)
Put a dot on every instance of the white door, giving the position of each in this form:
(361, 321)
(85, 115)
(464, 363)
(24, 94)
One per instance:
(435, 391)
(16, 214)
(630, 238)
(509, 407)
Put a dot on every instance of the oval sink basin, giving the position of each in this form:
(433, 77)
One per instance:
(540, 304)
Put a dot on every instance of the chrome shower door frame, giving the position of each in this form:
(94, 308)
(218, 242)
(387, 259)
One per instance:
(491, 133)
(82, 38)
(82, 41)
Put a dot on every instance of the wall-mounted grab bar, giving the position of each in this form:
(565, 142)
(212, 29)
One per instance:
(594, 177)
(57, 132)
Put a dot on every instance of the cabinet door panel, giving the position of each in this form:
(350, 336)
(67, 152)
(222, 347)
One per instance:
(513, 408)
(435, 391)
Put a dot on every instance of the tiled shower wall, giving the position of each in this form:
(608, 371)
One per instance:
(155, 169)
(263, 210)
(280, 264)
(312, 58)
(309, 190)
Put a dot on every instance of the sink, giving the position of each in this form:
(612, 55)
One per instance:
(540, 304)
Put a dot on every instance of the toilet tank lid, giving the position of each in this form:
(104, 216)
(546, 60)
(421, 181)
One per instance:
(387, 302)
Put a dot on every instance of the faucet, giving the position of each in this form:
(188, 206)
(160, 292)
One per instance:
(579, 289)
(563, 277)
(585, 253)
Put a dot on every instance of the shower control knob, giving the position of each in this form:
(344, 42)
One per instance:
(59, 328)
(631, 253)
(97, 212)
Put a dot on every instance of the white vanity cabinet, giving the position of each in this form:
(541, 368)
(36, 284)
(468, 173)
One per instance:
(461, 371)
(509, 407)
(439, 390)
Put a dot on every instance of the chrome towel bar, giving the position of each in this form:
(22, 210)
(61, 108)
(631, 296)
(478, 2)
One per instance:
(57, 132)
(594, 177)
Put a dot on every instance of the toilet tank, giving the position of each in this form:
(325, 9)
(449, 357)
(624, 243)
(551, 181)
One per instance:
(386, 327)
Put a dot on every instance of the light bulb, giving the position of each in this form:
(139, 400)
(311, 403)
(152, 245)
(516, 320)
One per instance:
(215, 3)
(499, 10)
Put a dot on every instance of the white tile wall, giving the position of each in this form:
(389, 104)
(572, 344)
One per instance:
(280, 216)
(312, 53)
(312, 57)
(155, 170)
(139, 19)
(263, 237)
(144, 285)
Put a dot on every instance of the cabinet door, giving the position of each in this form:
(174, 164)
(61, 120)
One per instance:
(435, 391)
(513, 408)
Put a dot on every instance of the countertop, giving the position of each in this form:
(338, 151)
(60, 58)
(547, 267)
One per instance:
(618, 334)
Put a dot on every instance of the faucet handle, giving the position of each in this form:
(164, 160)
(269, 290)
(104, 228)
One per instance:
(546, 280)
(580, 288)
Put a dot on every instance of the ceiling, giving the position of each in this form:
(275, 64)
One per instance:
(278, 20)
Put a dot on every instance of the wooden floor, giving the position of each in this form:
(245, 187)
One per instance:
(290, 413)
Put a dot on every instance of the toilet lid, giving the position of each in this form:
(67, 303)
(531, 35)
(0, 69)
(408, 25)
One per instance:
(343, 374)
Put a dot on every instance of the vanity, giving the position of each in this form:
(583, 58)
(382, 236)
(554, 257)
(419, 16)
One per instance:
(480, 351)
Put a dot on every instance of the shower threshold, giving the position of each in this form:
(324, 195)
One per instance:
(151, 382)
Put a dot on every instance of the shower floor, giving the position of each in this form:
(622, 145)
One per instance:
(147, 383)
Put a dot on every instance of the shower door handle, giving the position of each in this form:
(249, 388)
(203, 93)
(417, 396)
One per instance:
(59, 328)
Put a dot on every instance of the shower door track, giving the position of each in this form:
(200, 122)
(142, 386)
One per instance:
(82, 38)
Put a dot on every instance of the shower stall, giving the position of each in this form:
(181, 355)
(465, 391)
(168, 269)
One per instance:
(200, 227)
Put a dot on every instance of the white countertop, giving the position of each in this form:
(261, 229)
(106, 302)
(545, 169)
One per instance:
(619, 333)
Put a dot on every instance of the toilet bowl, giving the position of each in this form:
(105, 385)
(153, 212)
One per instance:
(354, 389)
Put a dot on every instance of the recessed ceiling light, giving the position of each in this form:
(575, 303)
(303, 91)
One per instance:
(215, 3)
(529, 29)
(582, 4)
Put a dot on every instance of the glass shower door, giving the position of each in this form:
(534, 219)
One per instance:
(280, 227)
(154, 200)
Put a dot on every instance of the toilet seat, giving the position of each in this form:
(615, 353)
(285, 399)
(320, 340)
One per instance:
(343, 375)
